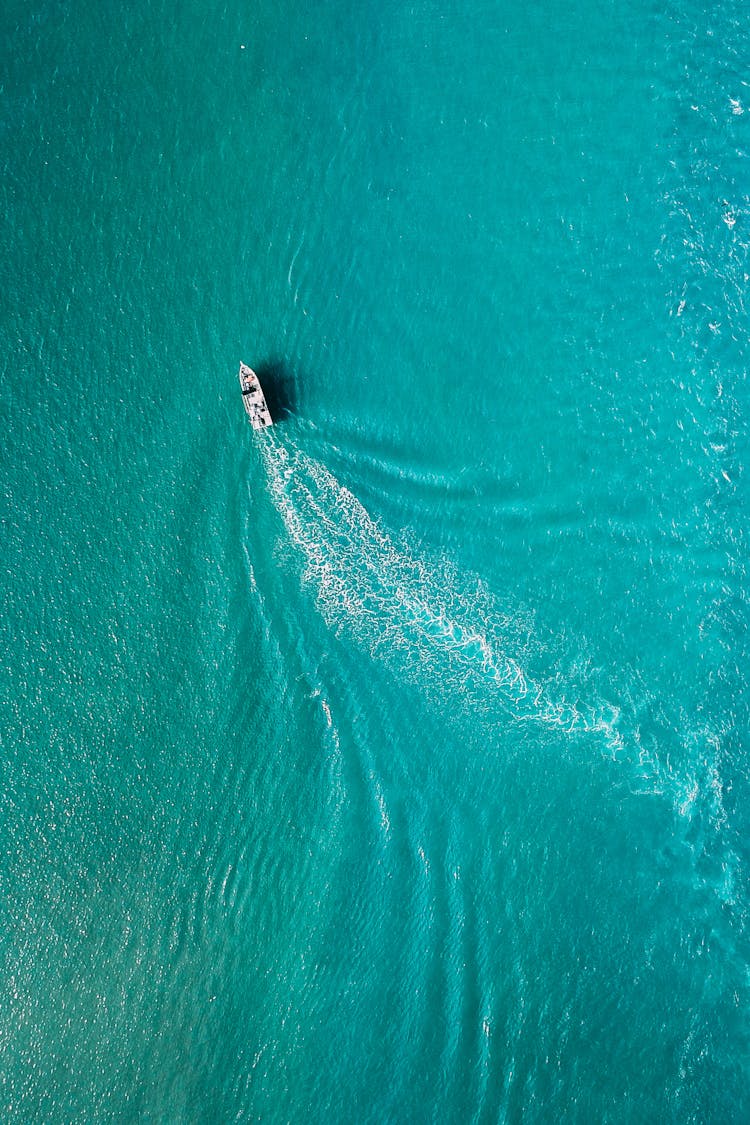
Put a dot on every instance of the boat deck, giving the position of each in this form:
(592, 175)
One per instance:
(252, 396)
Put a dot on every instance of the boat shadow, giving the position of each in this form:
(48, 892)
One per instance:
(279, 388)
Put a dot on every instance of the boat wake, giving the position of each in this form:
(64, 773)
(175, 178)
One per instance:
(447, 634)
(443, 631)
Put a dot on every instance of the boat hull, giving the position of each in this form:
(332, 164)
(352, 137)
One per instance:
(254, 401)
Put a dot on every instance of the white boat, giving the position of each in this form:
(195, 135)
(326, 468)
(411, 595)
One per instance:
(252, 396)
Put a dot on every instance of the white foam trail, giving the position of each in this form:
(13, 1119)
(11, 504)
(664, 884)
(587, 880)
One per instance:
(428, 622)
(447, 634)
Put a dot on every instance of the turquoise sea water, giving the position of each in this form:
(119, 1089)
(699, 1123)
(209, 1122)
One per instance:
(391, 766)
